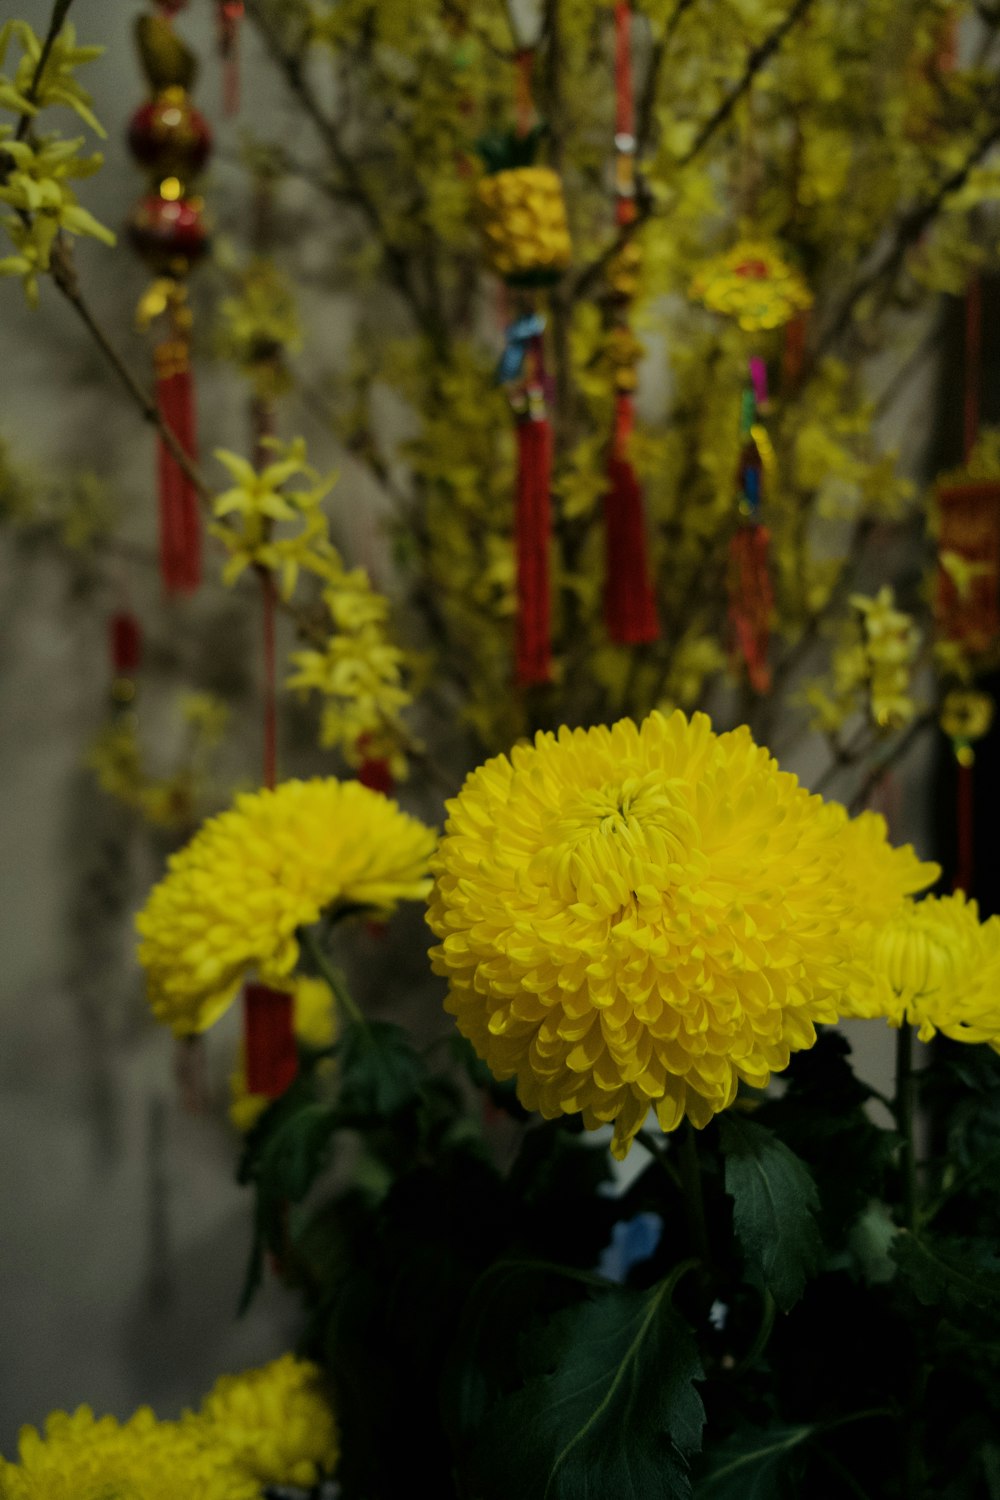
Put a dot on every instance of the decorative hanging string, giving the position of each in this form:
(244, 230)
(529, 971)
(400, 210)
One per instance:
(229, 14)
(751, 592)
(526, 242)
(171, 140)
(629, 601)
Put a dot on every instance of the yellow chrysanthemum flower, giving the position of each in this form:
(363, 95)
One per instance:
(315, 1026)
(233, 898)
(935, 965)
(80, 1457)
(638, 917)
(275, 1423)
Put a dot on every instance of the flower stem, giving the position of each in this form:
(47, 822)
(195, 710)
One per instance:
(322, 965)
(904, 1111)
(694, 1199)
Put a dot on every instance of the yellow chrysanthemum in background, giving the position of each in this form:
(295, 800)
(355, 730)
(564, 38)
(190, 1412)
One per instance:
(315, 1026)
(641, 916)
(275, 1423)
(81, 1457)
(233, 898)
(935, 965)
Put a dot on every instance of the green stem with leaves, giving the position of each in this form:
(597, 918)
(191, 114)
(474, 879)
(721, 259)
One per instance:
(694, 1197)
(904, 1111)
(320, 962)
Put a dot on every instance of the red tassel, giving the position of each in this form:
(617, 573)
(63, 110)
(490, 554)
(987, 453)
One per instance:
(374, 773)
(126, 643)
(533, 522)
(180, 530)
(965, 843)
(269, 1034)
(794, 353)
(629, 601)
(751, 601)
(230, 15)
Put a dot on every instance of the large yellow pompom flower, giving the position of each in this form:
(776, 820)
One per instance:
(635, 917)
(275, 1423)
(935, 965)
(233, 898)
(81, 1457)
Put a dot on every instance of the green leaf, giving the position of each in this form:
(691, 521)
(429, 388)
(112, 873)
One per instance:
(380, 1072)
(753, 1463)
(961, 1276)
(616, 1414)
(774, 1203)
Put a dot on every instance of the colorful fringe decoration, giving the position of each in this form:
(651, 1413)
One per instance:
(180, 525)
(272, 1059)
(751, 592)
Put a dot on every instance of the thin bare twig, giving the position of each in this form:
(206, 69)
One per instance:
(757, 59)
(59, 12)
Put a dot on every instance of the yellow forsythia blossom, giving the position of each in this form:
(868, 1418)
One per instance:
(261, 501)
(81, 1457)
(936, 966)
(315, 1026)
(274, 1423)
(639, 917)
(233, 898)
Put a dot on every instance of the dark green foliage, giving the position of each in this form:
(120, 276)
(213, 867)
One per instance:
(755, 1464)
(448, 1275)
(774, 1204)
(611, 1408)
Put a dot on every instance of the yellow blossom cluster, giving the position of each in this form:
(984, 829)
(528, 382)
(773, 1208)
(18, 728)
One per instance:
(359, 674)
(259, 501)
(872, 667)
(116, 758)
(259, 325)
(752, 283)
(524, 223)
(233, 898)
(35, 171)
(270, 1425)
(640, 917)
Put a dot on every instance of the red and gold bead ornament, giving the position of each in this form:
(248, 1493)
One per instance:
(752, 284)
(171, 141)
(526, 241)
(630, 614)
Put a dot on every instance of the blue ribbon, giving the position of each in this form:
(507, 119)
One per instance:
(519, 335)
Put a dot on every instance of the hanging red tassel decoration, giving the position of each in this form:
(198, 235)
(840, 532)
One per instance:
(228, 17)
(171, 140)
(375, 772)
(180, 526)
(532, 526)
(272, 1059)
(751, 602)
(125, 642)
(629, 602)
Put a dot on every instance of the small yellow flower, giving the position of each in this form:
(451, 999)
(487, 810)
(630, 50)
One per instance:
(233, 898)
(274, 1423)
(260, 501)
(966, 715)
(936, 966)
(638, 917)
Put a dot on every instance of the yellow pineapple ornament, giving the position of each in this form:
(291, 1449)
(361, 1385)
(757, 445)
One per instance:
(523, 211)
